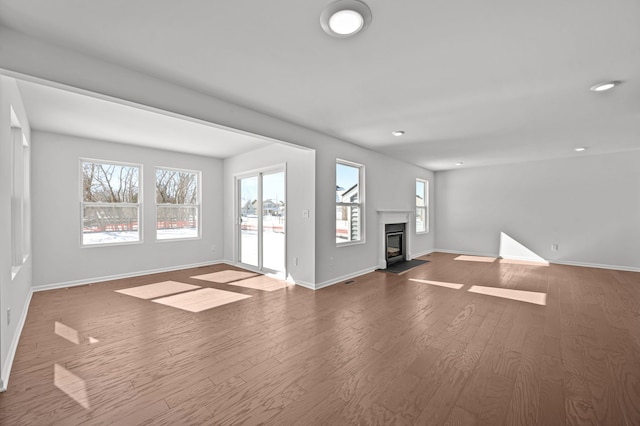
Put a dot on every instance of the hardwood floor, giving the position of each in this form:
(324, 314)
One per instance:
(417, 348)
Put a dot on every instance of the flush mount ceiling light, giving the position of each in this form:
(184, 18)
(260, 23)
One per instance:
(459, 163)
(345, 18)
(397, 132)
(581, 149)
(605, 85)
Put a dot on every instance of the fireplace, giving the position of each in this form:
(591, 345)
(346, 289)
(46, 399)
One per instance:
(395, 245)
(394, 217)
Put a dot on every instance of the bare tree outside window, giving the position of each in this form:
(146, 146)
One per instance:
(178, 204)
(110, 203)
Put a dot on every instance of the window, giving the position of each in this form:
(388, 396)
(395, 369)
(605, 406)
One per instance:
(20, 199)
(177, 204)
(110, 203)
(422, 206)
(349, 202)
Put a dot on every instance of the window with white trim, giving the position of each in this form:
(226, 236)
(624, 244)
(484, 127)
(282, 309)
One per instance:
(20, 198)
(110, 204)
(177, 204)
(422, 206)
(349, 202)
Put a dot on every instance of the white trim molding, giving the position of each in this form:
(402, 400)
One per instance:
(13, 347)
(337, 280)
(394, 216)
(552, 262)
(54, 286)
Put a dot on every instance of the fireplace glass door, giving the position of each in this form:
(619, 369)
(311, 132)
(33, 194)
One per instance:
(394, 246)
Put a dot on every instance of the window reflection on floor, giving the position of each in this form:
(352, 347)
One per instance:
(200, 300)
(151, 291)
(438, 283)
(71, 384)
(507, 293)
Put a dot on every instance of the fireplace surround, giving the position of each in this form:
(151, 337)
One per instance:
(388, 217)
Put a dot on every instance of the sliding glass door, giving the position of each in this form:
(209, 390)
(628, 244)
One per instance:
(248, 197)
(262, 216)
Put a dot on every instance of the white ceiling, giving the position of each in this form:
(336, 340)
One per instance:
(483, 82)
(61, 111)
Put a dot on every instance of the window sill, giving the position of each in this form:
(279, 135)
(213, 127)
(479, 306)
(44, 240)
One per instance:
(122, 243)
(165, 240)
(350, 243)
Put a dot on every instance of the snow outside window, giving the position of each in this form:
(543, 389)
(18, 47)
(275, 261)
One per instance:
(110, 203)
(177, 204)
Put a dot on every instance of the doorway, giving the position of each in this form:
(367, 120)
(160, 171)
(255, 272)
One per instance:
(261, 204)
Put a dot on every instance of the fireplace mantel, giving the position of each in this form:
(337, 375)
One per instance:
(386, 216)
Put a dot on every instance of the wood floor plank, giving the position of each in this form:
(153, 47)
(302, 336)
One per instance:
(551, 407)
(386, 349)
(460, 417)
(523, 409)
(487, 396)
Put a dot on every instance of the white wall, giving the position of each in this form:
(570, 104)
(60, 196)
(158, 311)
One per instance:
(389, 184)
(588, 205)
(58, 257)
(14, 293)
(300, 164)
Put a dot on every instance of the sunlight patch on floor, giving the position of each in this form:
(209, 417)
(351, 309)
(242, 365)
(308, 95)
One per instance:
(200, 300)
(226, 276)
(71, 334)
(261, 282)
(524, 262)
(71, 384)
(513, 251)
(476, 258)
(507, 293)
(66, 332)
(151, 291)
(438, 283)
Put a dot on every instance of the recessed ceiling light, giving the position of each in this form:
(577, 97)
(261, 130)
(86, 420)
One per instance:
(582, 148)
(345, 18)
(459, 163)
(346, 22)
(605, 85)
(397, 132)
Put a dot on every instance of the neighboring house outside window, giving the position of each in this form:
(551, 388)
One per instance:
(349, 202)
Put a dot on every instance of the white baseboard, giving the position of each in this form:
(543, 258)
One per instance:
(555, 262)
(596, 265)
(423, 253)
(13, 347)
(289, 278)
(333, 281)
(465, 253)
(119, 276)
(305, 284)
(362, 272)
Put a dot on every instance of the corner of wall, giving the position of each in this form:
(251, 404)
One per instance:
(13, 347)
